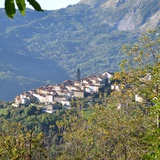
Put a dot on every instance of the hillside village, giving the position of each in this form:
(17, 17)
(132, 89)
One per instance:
(63, 93)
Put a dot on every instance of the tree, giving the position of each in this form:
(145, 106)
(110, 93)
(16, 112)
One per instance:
(106, 134)
(16, 143)
(140, 79)
(125, 128)
(21, 4)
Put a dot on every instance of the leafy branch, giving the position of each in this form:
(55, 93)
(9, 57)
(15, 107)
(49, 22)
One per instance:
(21, 4)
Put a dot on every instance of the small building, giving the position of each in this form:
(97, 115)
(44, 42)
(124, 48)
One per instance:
(49, 98)
(77, 83)
(94, 88)
(66, 103)
(17, 100)
(24, 101)
(49, 108)
(87, 90)
(68, 83)
(42, 90)
(138, 98)
(71, 88)
(78, 93)
(58, 98)
(42, 98)
(115, 87)
(86, 81)
(57, 87)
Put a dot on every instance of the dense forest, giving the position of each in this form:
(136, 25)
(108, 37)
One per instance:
(118, 126)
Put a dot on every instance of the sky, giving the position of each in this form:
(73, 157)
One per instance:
(50, 4)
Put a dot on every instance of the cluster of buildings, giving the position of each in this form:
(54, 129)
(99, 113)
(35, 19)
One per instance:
(48, 96)
(63, 93)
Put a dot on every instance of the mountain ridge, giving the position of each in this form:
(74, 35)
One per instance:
(48, 47)
(132, 17)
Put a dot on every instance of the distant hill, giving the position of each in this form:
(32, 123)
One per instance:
(48, 47)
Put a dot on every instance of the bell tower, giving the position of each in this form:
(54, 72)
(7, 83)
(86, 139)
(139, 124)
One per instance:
(78, 75)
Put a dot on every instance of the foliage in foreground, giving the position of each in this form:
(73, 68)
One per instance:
(125, 128)
(16, 143)
(21, 4)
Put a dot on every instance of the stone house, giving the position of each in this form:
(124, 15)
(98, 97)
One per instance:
(66, 103)
(68, 83)
(77, 83)
(138, 98)
(58, 98)
(42, 90)
(78, 93)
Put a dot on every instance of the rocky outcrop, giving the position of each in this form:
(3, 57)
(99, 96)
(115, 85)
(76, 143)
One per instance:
(93, 3)
(152, 22)
(137, 15)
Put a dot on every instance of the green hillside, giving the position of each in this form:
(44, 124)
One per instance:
(49, 47)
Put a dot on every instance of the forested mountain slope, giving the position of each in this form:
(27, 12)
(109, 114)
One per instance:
(49, 47)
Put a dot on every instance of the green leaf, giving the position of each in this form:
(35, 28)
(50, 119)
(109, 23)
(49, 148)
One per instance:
(21, 6)
(35, 5)
(10, 8)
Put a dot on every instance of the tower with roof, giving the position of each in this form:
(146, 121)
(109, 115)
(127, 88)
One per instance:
(78, 75)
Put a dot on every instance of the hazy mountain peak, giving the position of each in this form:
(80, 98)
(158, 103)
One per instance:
(129, 15)
(93, 3)
(103, 3)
